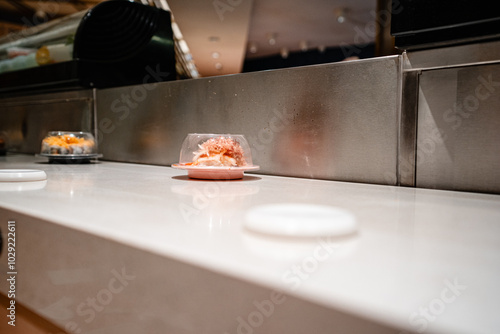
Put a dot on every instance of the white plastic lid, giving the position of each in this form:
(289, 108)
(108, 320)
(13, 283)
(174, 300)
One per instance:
(300, 220)
(22, 175)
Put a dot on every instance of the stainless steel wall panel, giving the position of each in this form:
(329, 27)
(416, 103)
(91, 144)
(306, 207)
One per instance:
(335, 121)
(27, 119)
(459, 129)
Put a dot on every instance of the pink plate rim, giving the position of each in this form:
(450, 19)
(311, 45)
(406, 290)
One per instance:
(215, 168)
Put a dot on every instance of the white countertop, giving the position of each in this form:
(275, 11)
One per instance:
(422, 260)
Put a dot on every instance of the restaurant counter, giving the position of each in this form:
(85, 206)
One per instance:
(125, 248)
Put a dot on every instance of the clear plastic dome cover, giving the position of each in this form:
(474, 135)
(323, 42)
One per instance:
(215, 150)
(68, 143)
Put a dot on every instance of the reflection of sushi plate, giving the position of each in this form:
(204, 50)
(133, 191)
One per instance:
(215, 173)
(75, 158)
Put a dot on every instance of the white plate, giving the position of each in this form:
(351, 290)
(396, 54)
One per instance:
(22, 175)
(215, 173)
(300, 220)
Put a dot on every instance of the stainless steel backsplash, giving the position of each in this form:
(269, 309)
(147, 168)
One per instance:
(458, 117)
(426, 119)
(25, 120)
(336, 121)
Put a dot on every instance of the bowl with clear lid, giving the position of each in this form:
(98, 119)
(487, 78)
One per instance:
(68, 145)
(215, 156)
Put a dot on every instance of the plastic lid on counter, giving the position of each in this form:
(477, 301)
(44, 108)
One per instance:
(300, 220)
(22, 175)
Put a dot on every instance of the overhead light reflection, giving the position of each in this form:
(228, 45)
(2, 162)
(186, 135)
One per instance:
(252, 47)
(271, 38)
(303, 46)
(341, 14)
(284, 53)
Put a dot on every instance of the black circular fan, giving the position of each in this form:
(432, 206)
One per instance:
(115, 30)
(119, 42)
